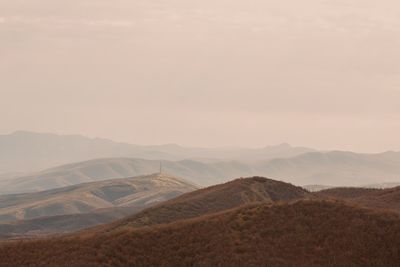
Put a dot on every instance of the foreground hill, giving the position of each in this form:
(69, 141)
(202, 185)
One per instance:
(331, 168)
(387, 199)
(86, 204)
(215, 199)
(305, 233)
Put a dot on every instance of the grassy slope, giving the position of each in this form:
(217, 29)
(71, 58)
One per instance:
(77, 207)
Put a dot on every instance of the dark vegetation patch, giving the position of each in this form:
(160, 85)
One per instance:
(113, 192)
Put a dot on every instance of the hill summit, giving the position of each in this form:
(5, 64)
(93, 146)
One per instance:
(216, 199)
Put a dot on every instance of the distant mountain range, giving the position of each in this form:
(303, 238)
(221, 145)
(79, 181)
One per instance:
(103, 169)
(336, 168)
(317, 188)
(318, 168)
(24, 151)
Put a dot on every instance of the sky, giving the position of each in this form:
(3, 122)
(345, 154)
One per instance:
(317, 73)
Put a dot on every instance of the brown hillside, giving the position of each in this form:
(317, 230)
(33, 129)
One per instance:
(346, 192)
(388, 199)
(305, 233)
(215, 199)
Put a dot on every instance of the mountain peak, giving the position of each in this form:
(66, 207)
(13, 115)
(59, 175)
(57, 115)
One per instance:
(279, 146)
(284, 145)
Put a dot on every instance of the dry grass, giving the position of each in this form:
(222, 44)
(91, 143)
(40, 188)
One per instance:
(305, 233)
(346, 192)
(386, 199)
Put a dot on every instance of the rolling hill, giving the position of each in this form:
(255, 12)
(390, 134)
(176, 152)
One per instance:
(328, 168)
(305, 233)
(62, 224)
(388, 199)
(346, 192)
(385, 199)
(136, 193)
(102, 169)
(193, 204)
(216, 199)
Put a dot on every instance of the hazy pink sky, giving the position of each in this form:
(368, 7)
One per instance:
(324, 74)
